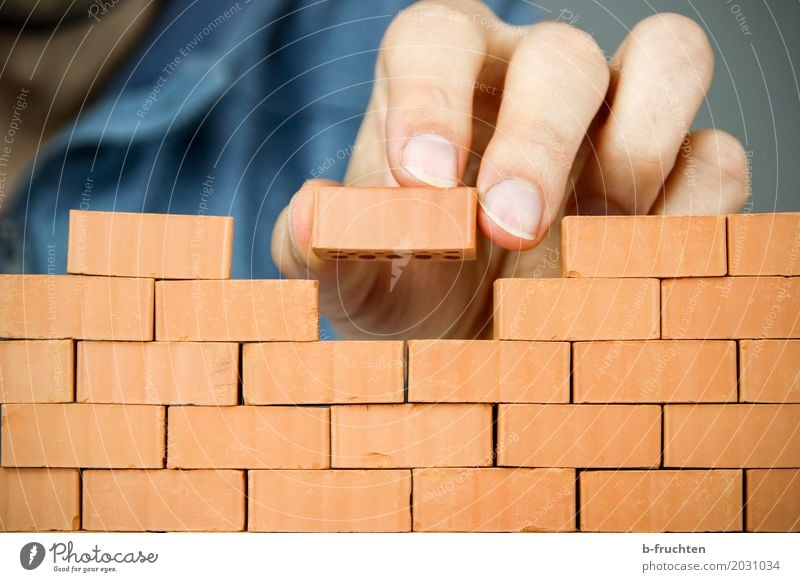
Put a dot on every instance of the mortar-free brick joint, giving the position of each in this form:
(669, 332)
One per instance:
(655, 386)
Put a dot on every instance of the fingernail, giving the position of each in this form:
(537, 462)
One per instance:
(514, 206)
(431, 159)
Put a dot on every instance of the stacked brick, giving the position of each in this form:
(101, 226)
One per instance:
(656, 387)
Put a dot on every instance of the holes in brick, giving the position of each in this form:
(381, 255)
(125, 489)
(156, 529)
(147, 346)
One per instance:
(452, 257)
(422, 256)
(366, 257)
(393, 256)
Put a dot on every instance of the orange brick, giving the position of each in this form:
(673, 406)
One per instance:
(390, 223)
(494, 499)
(764, 244)
(568, 435)
(82, 435)
(67, 306)
(411, 435)
(732, 435)
(160, 246)
(163, 500)
(655, 371)
(731, 307)
(773, 500)
(661, 501)
(242, 310)
(643, 246)
(576, 309)
(36, 371)
(323, 372)
(769, 371)
(40, 499)
(487, 371)
(329, 501)
(158, 373)
(248, 437)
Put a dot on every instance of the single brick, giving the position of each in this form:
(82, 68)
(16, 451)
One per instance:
(494, 499)
(158, 373)
(643, 246)
(69, 306)
(732, 435)
(773, 500)
(248, 437)
(568, 435)
(769, 371)
(329, 501)
(36, 371)
(338, 372)
(764, 244)
(241, 310)
(40, 499)
(661, 501)
(159, 246)
(731, 307)
(163, 500)
(411, 435)
(392, 223)
(576, 309)
(487, 371)
(82, 435)
(655, 371)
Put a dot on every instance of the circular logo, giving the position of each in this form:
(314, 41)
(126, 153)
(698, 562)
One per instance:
(31, 555)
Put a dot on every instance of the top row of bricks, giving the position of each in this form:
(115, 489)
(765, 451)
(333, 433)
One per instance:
(439, 224)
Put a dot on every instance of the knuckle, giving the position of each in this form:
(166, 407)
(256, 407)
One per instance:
(432, 19)
(574, 44)
(678, 35)
(722, 150)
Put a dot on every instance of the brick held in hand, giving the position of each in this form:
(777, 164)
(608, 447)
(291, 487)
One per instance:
(494, 500)
(643, 246)
(39, 499)
(764, 244)
(339, 372)
(237, 310)
(769, 370)
(74, 306)
(661, 501)
(36, 371)
(163, 500)
(159, 246)
(371, 223)
(338, 500)
(487, 371)
(773, 500)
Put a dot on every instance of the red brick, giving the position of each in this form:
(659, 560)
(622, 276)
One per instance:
(731, 307)
(764, 244)
(769, 371)
(323, 372)
(40, 499)
(576, 309)
(411, 435)
(36, 371)
(66, 306)
(242, 310)
(163, 500)
(329, 501)
(655, 371)
(494, 499)
(386, 223)
(568, 435)
(773, 500)
(732, 435)
(643, 246)
(661, 501)
(487, 371)
(158, 373)
(160, 246)
(248, 437)
(82, 435)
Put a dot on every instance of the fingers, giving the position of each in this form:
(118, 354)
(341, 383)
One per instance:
(664, 70)
(556, 82)
(710, 176)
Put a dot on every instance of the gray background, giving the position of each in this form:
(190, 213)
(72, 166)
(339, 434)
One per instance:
(755, 93)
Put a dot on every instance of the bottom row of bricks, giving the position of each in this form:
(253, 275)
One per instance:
(433, 499)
